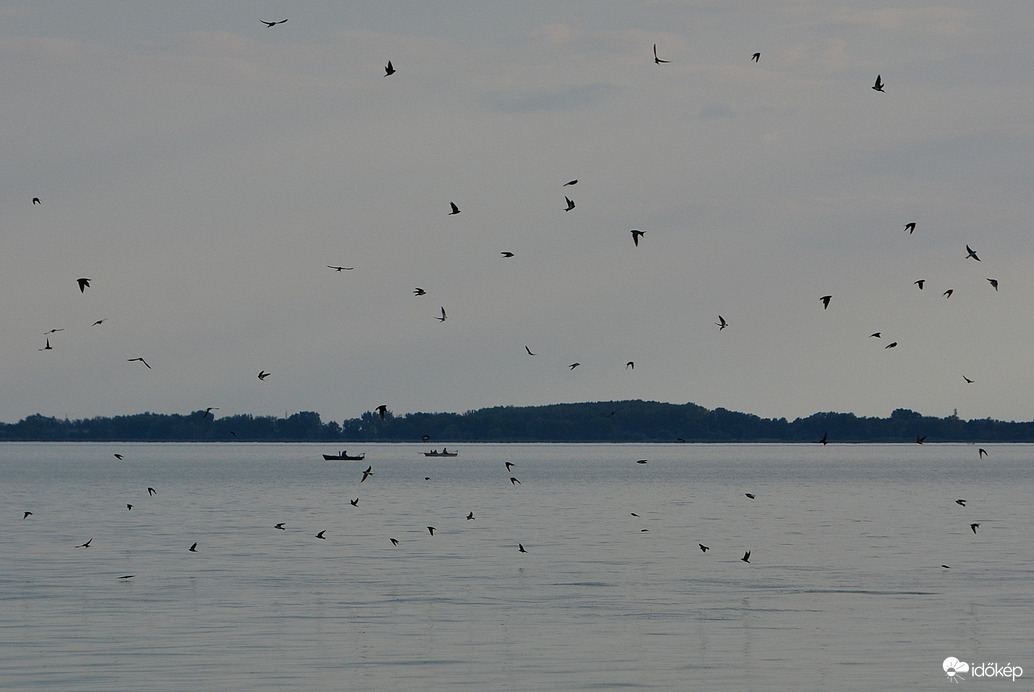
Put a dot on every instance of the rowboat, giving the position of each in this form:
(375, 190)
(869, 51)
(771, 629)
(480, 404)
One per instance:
(443, 453)
(343, 457)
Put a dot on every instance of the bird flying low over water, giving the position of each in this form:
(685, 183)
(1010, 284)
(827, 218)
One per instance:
(509, 465)
(26, 515)
(514, 481)
(825, 439)
(657, 60)
(129, 508)
(131, 360)
(152, 492)
(86, 544)
(280, 526)
(389, 69)
(455, 209)
(641, 461)
(470, 516)
(974, 527)
(339, 269)
(118, 456)
(920, 439)
(193, 548)
(520, 548)
(355, 502)
(750, 495)
(529, 351)
(746, 557)
(947, 294)
(506, 254)
(910, 227)
(419, 292)
(636, 235)
(981, 453)
(968, 381)
(430, 530)
(920, 283)
(394, 541)
(321, 536)
(876, 335)
(270, 25)
(572, 366)
(960, 502)
(263, 374)
(367, 473)
(570, 203)
(994, 283)
(443, 317)
(722, 324)
(704, 548)
(825, 301)
(892, 344)
(570, 182)
(878, 85)
(971, 253)
(83, 284)
(35, 200)
(756, 57)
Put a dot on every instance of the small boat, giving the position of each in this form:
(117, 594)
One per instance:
(443, 453)
(344, 457)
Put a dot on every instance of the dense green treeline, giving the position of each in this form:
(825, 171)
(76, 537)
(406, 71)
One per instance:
(613, 421)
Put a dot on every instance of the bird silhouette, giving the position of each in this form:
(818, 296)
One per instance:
(636, 235)
(270, 25)
(506, 254)
(910, 227)
(208, 411)
(152, 492)
(572, 366)
(367, 473)
(876, 335)
(48, 347)
(641, 461)
(961, 502)
(127, 577)
(974, 527)
(981, 453)
(994, 283)
(750, 495)
(514, 481)
(389, 69)
(339, 269)
(920, 283)
(630, 365)
(430, 530)
(470, 516)
(756, 57)
(129, 507)
(86, 544)
(878, 86)
(825, 301)
(193, 548)
(633, 514)
(35, 200)
(722, 324)
(419, 292)
(83, 284)
(509, 465)
(132, 360)
(98, 322)
(920, 439)
(394, 541)
(971, 253)
(520, 548)
(280, 526)
(382, 410)
(529, 351)
(892, 344)
(321, 536)
(947, 294)
(443, 317)
(704, 548)
(968, 381)
(263, 374)
(355, 502)
(825, 439)
(570, 182)
(26, 515)
(118, 456)
(657, 60)
(455, 209)
(570, 204)
(54, 331)
(746, 557)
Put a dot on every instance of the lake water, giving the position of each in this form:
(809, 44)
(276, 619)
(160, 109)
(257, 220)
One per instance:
(845, 587)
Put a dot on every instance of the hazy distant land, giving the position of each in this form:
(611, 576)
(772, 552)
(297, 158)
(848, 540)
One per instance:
(609, 421)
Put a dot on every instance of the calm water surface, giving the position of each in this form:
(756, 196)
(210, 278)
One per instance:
(844, 590)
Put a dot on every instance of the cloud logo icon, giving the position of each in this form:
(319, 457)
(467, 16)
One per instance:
(953, 666)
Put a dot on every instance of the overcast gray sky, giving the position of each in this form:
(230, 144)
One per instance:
(203, 170)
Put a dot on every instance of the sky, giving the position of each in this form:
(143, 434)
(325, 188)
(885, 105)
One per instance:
(203, 170)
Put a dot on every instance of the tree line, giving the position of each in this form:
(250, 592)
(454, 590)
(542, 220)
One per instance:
(609, 421)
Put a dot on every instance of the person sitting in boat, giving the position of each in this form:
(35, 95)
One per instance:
(444, 450)
(344, 453)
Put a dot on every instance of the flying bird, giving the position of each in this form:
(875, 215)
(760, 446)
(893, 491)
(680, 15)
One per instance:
(750, 495)
(193, 548)
(151, 492)
(127, 577)
(704, 548)
(455, 209)
(570, 182)
(131, 360)
(722, 324)
(920, 439)
(470, 516)
(509, 465)
(280, 526)
(970, 252)
(892, 344)
(572, 366)
(419, 292)
(520, 548)
(920, 283)
(876, 335)
(339, 269)
(981, 453)
(263, 374)
(83, 284)
(825, 301)
(26, 515)
(394, 541)
(101, 321)
(367, 473)
(54, 331)
(947, 294)
(514, 481)
(910, 227)
(655, 58)
(355, 502)
(960, 502)
(636, 235)
(382, 410)
(756, 57)
(506, 254)
(129, 508)
(968, 381)
(529, 351)
(48, 347)
(389, 70)
(443, 317)
(994, 283)
(208, 411)
(641, 461)
(118, 456)
(878, 86)
(746, 557)
(974, 527)
(570, 204)
(321, 536)
(630, 365)
(430, 530)
(35, 200)
(633, 514)
(825, 438)
(270, 25)
(86, 544)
